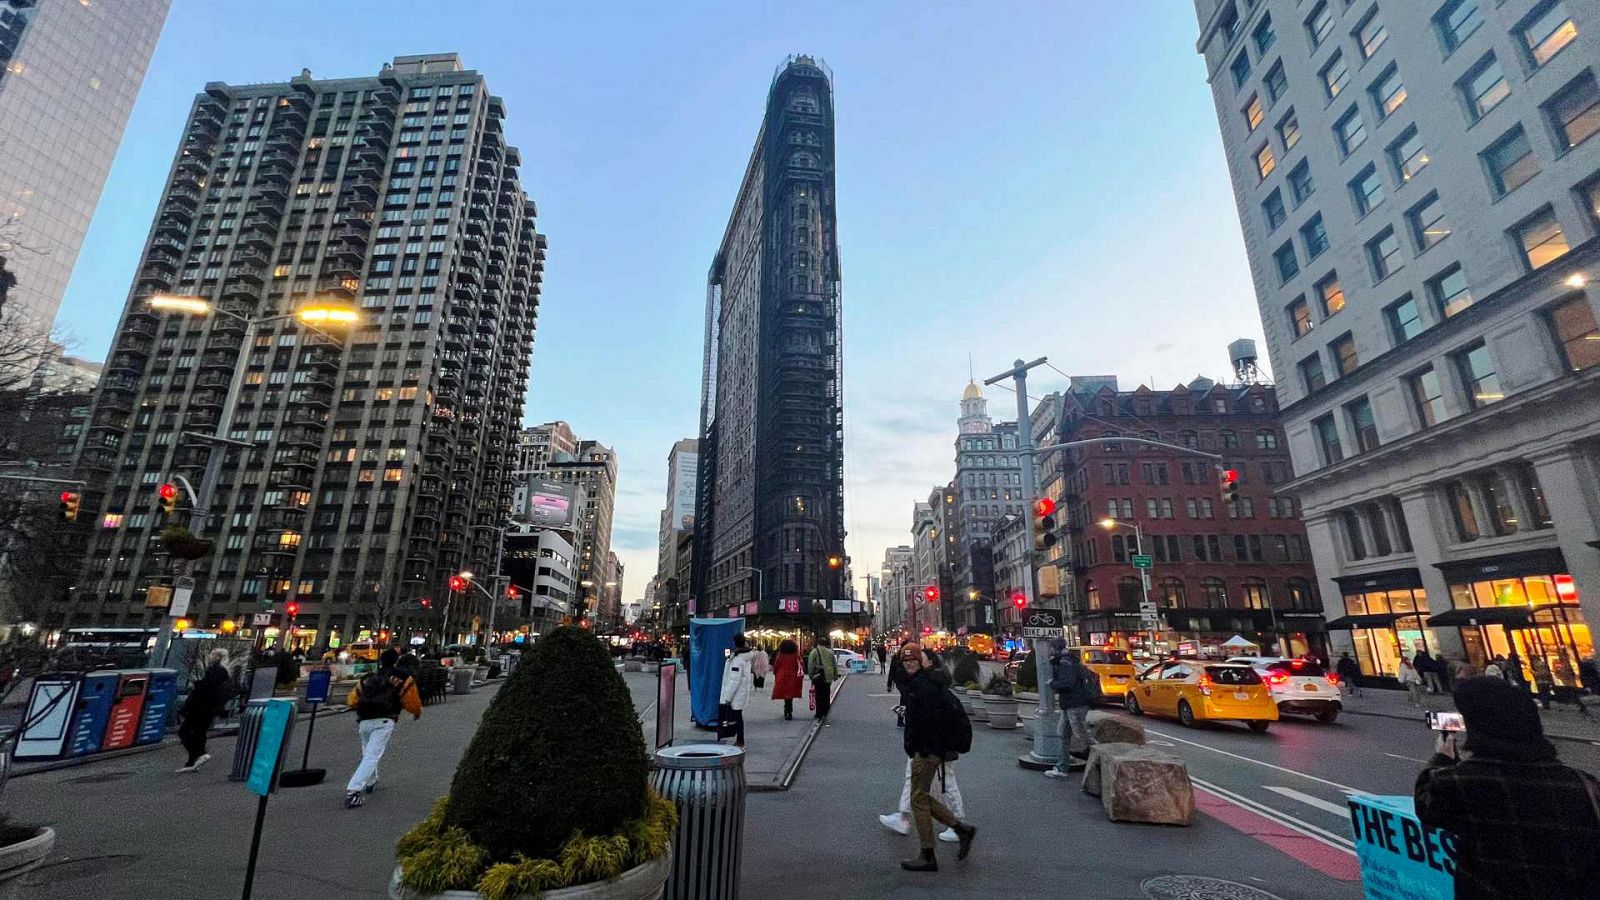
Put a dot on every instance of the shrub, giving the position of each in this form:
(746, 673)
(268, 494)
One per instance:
(1028, 676)
(965, 669)
(998, 685)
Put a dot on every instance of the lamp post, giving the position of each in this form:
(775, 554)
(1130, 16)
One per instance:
(311, 314)
(1111, 524)
(499, 558)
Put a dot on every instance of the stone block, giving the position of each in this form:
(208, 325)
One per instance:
(1097, 754)
(1109, 728)
(1145, 785)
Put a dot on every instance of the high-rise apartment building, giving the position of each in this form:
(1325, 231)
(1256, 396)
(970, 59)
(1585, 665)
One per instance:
(1419, 190)
(771, 506)
(536, 446)
(69, 73)
(591, 473)
(988, 488)
(683, 465)
(380, 456)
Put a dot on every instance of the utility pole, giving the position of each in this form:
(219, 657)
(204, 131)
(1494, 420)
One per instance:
(1047, 748)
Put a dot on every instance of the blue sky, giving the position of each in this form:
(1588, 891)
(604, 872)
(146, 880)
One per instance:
(1014, 180)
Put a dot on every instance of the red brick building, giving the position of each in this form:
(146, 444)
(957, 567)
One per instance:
(1220, 569)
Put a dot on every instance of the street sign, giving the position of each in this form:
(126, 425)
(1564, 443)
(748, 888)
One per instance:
(261, 619)
(1038, 622)
(1141, 561)
(180, 602)
(317, 683)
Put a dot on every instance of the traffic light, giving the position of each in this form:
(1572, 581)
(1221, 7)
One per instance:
(930, 594)
(427, 603)
(69, 505)
(1019, 599)
(166, 498)
(457, 583)
(1229, 479)
(835, 562)
(292, 608)
(1044, 523)
(511, 593)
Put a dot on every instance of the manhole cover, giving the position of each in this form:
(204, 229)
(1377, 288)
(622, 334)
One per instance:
(70, 869)
(1199, 887)
(99, 778)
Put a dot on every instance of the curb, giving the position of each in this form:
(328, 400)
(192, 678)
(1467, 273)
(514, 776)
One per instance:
(1554, 736)
(791, 767)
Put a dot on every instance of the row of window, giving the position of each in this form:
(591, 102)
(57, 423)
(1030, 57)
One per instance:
(1206, 548)
(1199, 508)
(1297, 594)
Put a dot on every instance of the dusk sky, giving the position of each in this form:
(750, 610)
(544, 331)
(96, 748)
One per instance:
(1014, 180)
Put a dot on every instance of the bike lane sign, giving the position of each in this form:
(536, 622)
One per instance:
(1039, 622)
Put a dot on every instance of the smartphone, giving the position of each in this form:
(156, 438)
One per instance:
(1446, 721)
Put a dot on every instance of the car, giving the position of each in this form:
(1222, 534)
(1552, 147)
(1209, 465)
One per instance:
(1018, 659)
(1194, 691)
(1113, 666)
(849, 660)
(1298, 685)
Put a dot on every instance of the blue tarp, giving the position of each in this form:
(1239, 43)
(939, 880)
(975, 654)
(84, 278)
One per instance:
(709, 643)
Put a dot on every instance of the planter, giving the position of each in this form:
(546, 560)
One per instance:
(980, 706)
(646, 882)
(1027, 697)
(23, 857)
(1002, 711)
(633, 665)
(480, 673)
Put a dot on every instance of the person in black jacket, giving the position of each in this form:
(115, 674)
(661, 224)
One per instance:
(927, 744)
(205, 701)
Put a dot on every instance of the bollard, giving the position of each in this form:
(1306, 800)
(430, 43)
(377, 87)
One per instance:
(249, 731)
(706, 783)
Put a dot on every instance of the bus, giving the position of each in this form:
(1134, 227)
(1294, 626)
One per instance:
(143, 639)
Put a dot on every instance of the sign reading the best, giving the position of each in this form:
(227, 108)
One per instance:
(1400, 859)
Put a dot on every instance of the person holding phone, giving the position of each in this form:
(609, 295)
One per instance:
(1525, 824)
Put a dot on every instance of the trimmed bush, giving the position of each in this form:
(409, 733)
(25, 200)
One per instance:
(965, 669)
(998, 685)
(1028, 676)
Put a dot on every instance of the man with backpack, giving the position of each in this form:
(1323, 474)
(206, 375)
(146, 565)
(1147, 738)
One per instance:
(937, 731)
(1077, 688)
(378, 701)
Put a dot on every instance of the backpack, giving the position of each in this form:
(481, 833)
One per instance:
(951, 724)
(378, 698)
(1090, 681)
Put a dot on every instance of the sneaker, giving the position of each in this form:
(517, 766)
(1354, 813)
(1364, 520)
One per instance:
(1055, 773)
(895, 823)
(204, 758)
(353, 799)
(949, 836)
(184, 770)
(923, 863)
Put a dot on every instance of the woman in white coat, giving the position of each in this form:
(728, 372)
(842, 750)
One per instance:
(738, 677)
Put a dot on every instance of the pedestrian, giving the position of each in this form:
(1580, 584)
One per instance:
(1588, 681)
(378, 701)
(945, 790)
(823, 669)
(759, 667)
(1496, 668)
(1428, 669)
(882, 653)
(1349, 671)
(1542, 684)
(936, 732)
(1077, 688)
(1460, 670)
(738, 678)
(1411, 680)
(205, 701)
(897, 682)
(1512, 670)
(1525, 825)
(787, 676)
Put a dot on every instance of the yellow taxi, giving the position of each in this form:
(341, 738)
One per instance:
(1195, 690)
(1114, 667)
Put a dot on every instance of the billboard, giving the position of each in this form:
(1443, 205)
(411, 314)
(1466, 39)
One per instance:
(550, 505)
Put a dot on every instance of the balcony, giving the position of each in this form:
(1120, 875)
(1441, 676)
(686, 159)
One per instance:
(300, 437)
(208, 399)
(185, 195)
(218, 359)
(200, 147)
(308, 417)
(339, 287)
(193, 166)
(268, 203)
(175, 227)
(99, 459)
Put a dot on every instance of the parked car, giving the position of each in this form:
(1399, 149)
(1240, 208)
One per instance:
(1195, 691)
(1298, 685)
(849, 660)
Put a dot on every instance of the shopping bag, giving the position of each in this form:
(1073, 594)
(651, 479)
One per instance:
(813, 695)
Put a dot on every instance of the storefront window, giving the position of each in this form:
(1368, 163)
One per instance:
(1555, 629)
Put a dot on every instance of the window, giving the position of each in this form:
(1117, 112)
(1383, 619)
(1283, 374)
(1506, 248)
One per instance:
(1383, 252)
(1240, 68)
(1311, 373)
(1272, 209)
(1426, 397)
(1335, 76)
(1533, 494)
(1265, 35)
(1591, 201)
(1408, 155)
(1343, 349)
(1288, 264)
(1572, 321)
(1331, 294)
(1350, 524)
(1350, 131)
(1478, 376)
(1371, 34)
(1328, 438)
(1449, 290)
(1300, 317)
(1575, 111)
(1289, 131)
(1265, 162)
(1484, 87)
(1253, 113)
(1405, 319)
(1388, 92)
(1367, 190)
(1456, 22)
(1315, 237)
(1319, 24)
(1277, 84)
(1266, 439)
(1362, 426)
(1541, 239)
(1301, 184)
(1428, 225)
(1510, 162)
(1213, 592)
(1466, 519)
(1547, 32)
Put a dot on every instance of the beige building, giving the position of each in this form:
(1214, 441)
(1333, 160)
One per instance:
(1419, 191)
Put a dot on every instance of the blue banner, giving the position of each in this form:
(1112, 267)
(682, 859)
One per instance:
(270, 740)
(317, 685)
(1400, 859)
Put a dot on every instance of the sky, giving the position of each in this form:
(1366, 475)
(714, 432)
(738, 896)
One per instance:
(1015, 180)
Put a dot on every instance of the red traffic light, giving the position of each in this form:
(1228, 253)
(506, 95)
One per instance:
(292, 608)
(1229, 476)
(457, 583)
(1019, 599)
(426, 603)
(930, 594)
(167, 492)
(68, 496)
(1043, 506)
(511, 591)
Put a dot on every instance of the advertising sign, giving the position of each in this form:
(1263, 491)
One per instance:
(551, 504)
(1400, 859)
(270, 743)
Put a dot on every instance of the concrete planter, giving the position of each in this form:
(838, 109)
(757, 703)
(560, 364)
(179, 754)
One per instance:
(21, 858)
(480, 673)
(633, 665)
(1027, 697)
(646, 882)
(980, 706)
(1002, 711)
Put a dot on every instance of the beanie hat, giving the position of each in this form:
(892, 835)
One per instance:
(388, 658)
(1498, 710)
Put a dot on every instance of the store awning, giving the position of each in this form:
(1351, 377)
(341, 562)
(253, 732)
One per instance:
(1509, 616)
(1370, 620)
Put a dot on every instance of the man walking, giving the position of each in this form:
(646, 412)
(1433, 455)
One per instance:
(824, 671)
(738, 676)
(206, 698)
(1077, 688)
(1428, 668)
(936, 732)
(378, 701)
(1349, 671)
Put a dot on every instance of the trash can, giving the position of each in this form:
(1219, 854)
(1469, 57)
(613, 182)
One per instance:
(706, 783)
(461, 679)
(249, 733)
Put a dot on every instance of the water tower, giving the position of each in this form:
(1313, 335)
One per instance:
(1242, 354)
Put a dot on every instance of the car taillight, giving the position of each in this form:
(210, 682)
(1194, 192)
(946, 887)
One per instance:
(1277, 678)
(1205, 684)
(1333, 679)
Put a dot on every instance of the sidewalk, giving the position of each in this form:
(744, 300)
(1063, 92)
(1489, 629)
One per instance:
(1562, 722)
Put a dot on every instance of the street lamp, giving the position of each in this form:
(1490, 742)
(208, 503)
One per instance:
(1111, 524)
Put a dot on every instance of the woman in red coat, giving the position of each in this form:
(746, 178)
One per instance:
(787, 676)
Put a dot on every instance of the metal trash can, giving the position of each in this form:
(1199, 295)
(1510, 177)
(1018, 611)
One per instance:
(249, 733)
(706, 782)
(461, 680)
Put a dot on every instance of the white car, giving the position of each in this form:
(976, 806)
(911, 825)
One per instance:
(849, 660)
(1298, 685)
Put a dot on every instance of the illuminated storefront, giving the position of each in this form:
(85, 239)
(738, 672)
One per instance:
(1386, 614)
(1523, 603)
